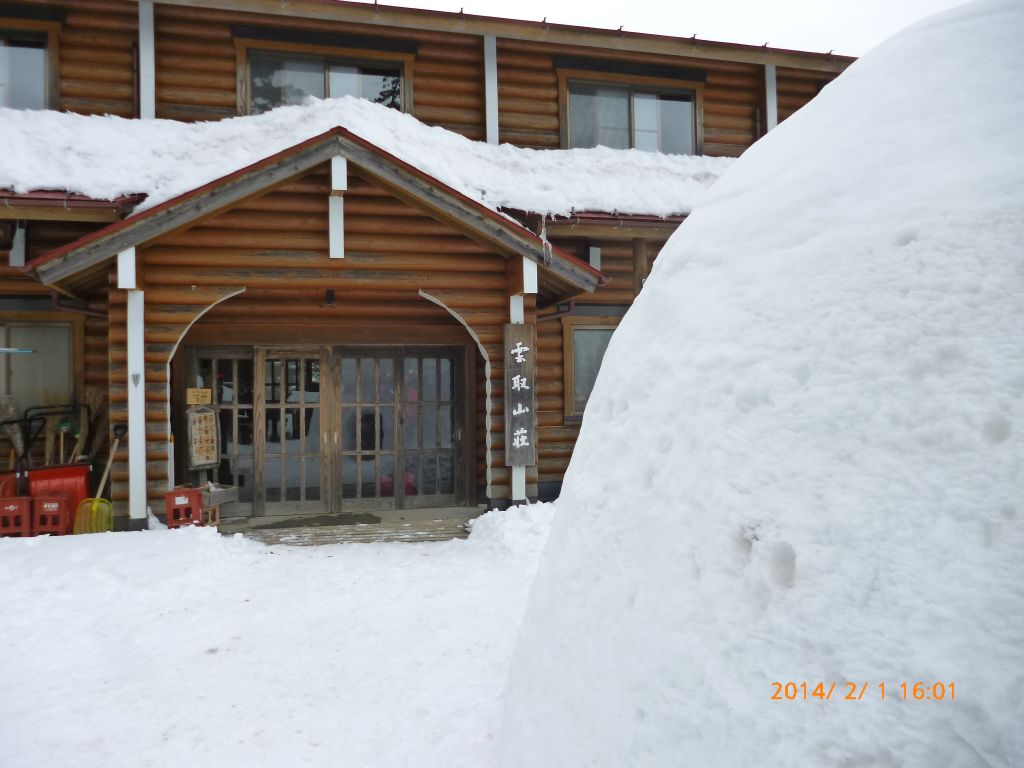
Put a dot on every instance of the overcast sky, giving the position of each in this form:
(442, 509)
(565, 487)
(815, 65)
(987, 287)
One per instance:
(846, 26)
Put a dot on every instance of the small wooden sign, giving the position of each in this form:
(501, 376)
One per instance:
(197, 396)
(520, 396)
(203, 442)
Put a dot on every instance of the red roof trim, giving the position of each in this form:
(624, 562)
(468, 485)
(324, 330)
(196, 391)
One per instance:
(59, 198)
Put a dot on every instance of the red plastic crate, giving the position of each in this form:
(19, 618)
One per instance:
(52, 514)
(16, 516)
(184, 507)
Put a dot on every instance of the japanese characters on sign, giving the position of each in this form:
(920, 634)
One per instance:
(520, 398)
(202, 438)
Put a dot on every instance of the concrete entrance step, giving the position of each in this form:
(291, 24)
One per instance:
(409, 531)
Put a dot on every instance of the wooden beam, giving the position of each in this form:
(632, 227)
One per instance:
(639, 264)
(57, 213)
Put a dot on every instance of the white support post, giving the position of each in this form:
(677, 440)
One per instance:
(147, 61)
(136, 349)
(491, 87)
(594, 256)
(17, 256)
(126, 270)
(771, 97)
(336, 207)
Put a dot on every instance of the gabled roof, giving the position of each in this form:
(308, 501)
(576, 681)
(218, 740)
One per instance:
(77, 261)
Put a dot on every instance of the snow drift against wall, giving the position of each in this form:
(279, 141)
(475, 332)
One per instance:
(104, 157)
(803, 457)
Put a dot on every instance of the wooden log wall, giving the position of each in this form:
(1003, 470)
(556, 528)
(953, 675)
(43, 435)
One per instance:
(528, 95)
(96, 55)
(275, 245)
(618, 262)
(796, 87)
(197, 70)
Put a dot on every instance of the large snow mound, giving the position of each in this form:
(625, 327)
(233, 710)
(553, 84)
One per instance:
(105, 157)
(802, 461)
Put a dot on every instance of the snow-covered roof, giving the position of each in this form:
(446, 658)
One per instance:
(105, 157)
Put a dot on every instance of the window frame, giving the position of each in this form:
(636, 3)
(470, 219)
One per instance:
(50, 30)
(74, 323)
(571, 324)
(630, 83)
(329, 54)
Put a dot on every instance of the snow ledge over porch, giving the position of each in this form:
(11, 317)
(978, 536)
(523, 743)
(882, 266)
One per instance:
(105, 157)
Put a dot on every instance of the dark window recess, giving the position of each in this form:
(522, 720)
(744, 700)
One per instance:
(22, 70)
(626, 117)
(588, 348)
(278, 79)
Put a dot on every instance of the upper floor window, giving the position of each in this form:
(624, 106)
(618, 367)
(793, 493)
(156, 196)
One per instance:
(624, 117)
(279, 78)
(23, 76)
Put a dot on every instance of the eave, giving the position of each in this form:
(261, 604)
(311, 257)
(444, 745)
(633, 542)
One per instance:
(82, 259)
(55, 205)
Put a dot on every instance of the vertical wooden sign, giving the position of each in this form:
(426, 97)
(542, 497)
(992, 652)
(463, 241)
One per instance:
(520, 395)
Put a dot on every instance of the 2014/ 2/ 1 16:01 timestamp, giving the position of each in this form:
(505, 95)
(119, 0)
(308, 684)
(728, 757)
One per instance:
(852, 691)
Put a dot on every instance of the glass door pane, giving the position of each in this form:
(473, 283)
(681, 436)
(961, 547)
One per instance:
(368, 450)
(293, 444)
(430, 430)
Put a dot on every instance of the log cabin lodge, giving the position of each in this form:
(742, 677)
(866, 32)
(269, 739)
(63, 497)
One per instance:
(385, 309)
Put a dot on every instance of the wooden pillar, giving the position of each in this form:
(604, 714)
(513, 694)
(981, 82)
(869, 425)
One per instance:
(639, 264)
(491, 87)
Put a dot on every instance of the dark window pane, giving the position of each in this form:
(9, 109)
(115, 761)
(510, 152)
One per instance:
(311, 428)
(412, 380)
(293, 479)
(273, 430)
(225, 393)
(412, 480)
(445, 423)
(429, 379)
(447, 392)
(243, 385)
(348, 380)
(387, 380)
(429, 413)
(292, 427)
(368, 428)
(387, 428)
(272, 475)
(204, 378)
(348, 429)
(311, 381)
(226, 418)
(446, 473)
(598, 116)
(313, 479)
(367, 380)
(277, 79)
(588, 347)
(387, 475)
(245, 426)
(243, 472)
(272, 385)
(348, 477)
(428, 478)
(292, 380)
(368, 477)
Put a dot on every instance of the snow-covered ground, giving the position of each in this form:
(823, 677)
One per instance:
(803, 459)
(185, 648)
